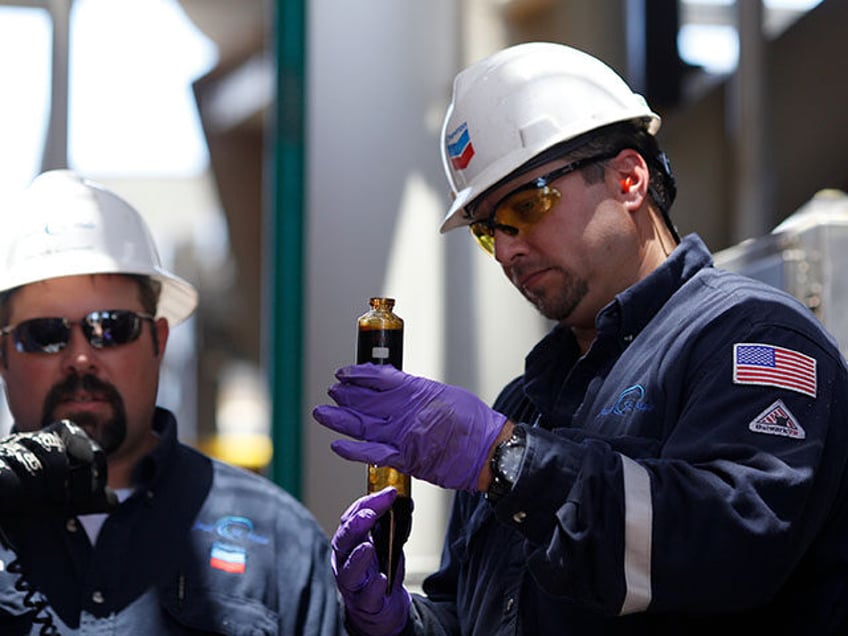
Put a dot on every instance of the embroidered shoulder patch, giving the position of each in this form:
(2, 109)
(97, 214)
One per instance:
(777, 419)
(768, 365)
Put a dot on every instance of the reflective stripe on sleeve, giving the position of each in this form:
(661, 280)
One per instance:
(638, 520)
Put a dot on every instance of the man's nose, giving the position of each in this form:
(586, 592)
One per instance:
(508, 245)
(78, 353)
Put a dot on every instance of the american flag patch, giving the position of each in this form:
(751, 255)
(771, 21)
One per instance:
(769, 365)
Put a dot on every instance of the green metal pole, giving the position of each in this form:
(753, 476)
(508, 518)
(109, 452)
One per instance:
(285, 254)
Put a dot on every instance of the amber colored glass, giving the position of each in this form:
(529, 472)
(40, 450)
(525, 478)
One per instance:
(380, 341)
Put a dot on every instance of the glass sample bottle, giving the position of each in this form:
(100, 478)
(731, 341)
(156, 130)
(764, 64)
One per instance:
(380, 341)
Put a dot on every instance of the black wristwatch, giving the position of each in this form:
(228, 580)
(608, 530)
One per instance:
(505, 464)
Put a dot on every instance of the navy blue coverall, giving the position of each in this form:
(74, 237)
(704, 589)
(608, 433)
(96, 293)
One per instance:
(686, 475)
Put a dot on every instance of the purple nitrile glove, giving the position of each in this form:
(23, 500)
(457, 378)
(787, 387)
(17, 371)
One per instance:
(368, 607)
(433, 431)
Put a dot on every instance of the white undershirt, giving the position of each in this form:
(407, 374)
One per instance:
(93, 522)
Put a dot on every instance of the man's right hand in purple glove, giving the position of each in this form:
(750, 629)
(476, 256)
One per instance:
(369, 609)
(436, 432)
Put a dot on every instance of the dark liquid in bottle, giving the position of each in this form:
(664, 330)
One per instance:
(380, 346)
(380, 341)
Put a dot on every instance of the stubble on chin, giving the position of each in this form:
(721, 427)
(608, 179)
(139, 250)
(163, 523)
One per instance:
(560, 302)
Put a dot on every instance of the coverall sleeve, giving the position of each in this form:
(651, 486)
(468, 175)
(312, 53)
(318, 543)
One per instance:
(696, 505)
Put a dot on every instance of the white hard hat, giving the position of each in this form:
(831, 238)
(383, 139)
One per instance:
(65, 225)
(517, 103)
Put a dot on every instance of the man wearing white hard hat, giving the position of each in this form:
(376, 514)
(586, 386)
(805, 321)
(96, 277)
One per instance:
(195, 545)
(674, 458)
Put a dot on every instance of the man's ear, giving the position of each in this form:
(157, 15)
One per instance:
(161, 330)
(631, 173)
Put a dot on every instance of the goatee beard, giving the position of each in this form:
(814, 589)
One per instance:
(108, 434)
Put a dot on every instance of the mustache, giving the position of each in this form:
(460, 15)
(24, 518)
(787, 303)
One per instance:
(519, 271)
(76, 382)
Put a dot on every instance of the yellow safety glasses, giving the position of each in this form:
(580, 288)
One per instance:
(525, 206)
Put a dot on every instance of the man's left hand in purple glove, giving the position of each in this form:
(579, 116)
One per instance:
(369, 607)
(436, 432)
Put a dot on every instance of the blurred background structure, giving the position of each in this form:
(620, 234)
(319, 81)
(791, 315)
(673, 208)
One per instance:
(286, 154)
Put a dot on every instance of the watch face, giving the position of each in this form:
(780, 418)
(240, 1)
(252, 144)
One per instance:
(505, 464)
(510, 462)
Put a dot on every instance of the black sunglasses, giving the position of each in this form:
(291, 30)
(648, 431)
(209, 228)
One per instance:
(102, 329)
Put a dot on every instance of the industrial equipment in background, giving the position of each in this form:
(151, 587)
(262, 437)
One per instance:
(807, 256)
